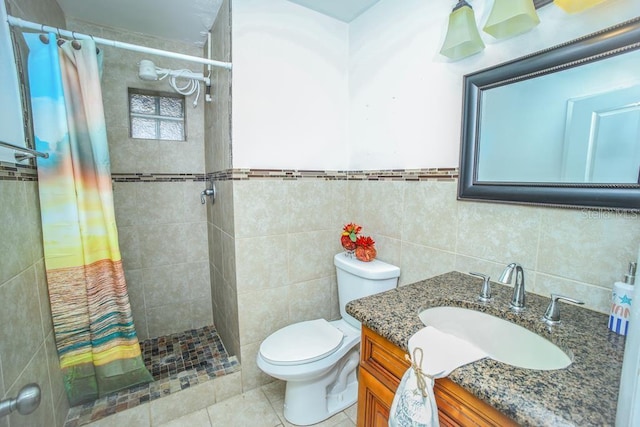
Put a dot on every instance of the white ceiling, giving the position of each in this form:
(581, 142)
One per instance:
(184, 20)
(343, 10)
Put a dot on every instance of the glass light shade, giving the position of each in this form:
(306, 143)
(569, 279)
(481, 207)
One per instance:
(509, 18)
(462, 38)
(575, 6)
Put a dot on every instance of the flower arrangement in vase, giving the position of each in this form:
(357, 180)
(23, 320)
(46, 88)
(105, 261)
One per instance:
(365, 248)
(362, 246)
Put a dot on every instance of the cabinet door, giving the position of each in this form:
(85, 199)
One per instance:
(374, 401)
(382, 365)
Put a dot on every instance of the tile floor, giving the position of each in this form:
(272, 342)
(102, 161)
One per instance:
(177, 362)
(261, 407)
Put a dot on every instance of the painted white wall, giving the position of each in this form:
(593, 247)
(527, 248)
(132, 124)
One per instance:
(290, 87)
(406, 99)
(310, 92)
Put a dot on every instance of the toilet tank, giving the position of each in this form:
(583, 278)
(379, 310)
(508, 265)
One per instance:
(358, 279)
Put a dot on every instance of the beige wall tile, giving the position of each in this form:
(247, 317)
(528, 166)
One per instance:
(310, 300)
(215, 246)
(311, 254)
(159, 202)
(48, 13)
(500, 233)
(21, 307)
(313, 205)
(15, 241)
(125, 202)
(378, 206)
(228, 260)
(228, 386)
(222, 212)
(261, 208)
(169, 319)
(262, 313)
(165, 245)
(43, 295)
(167, 284)
(192, 209)
(430, 215)
(261, 263)
(252, 376)
(588, 246)
(420, 262)
(594, 297)
(388, 249)
(61, 409)
(130, 248)
(201, 313)
(466, 264)
(53, 366)
(35, 372)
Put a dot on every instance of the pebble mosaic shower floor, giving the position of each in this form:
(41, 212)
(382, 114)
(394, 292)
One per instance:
(175, 361)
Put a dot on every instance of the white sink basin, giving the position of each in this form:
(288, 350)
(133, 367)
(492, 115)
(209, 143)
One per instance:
(502, 340)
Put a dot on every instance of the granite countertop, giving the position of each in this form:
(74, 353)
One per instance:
(583, 394)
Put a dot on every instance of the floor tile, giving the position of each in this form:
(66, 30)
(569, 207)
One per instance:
(248, 409)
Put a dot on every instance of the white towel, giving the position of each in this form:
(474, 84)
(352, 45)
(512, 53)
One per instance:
(435, 354)
(443, 352)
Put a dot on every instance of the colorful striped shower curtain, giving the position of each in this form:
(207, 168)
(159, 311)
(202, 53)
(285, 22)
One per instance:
(95, 336)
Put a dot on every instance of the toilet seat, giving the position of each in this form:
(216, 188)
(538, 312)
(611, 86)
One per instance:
(302, 342)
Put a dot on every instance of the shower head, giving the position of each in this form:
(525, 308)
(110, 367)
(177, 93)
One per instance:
(147, 70)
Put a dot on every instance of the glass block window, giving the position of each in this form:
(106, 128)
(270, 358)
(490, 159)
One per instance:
(157, 115)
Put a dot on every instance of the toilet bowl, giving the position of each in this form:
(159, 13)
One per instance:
(318, 359)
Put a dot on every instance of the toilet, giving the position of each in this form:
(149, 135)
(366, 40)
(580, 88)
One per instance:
(319, 359)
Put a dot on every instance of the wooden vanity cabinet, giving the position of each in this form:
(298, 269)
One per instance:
(382, 365)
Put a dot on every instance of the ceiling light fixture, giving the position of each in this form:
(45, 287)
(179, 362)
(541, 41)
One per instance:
(462, 37)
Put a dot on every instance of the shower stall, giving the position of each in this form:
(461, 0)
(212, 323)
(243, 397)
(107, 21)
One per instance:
(169, 241)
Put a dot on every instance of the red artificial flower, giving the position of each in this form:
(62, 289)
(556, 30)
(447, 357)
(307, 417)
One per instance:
(365, 241)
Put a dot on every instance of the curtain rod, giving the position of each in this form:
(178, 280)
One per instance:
(29, 151)
(17, 22)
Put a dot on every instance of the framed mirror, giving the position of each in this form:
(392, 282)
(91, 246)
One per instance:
(560, 127)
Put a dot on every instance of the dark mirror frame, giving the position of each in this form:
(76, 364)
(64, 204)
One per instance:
(616, 40)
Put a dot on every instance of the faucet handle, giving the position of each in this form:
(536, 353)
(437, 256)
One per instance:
(485, 293)
(552, 315)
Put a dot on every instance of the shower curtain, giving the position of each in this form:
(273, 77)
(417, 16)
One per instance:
(95, 336)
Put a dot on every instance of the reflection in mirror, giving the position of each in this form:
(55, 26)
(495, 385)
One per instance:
(591, 132)
(559, 127)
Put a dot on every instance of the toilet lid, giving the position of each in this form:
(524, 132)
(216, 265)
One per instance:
(302, 342)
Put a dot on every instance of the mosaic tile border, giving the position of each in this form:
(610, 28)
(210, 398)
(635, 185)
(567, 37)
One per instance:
(428, 174)
(18, 172)
(158, 177)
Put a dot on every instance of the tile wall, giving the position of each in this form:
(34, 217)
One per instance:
(220, 219)
(162, 225)
(287, 231)
(27, 346)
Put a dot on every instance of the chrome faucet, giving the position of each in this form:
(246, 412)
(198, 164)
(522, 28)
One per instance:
(518, 297)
